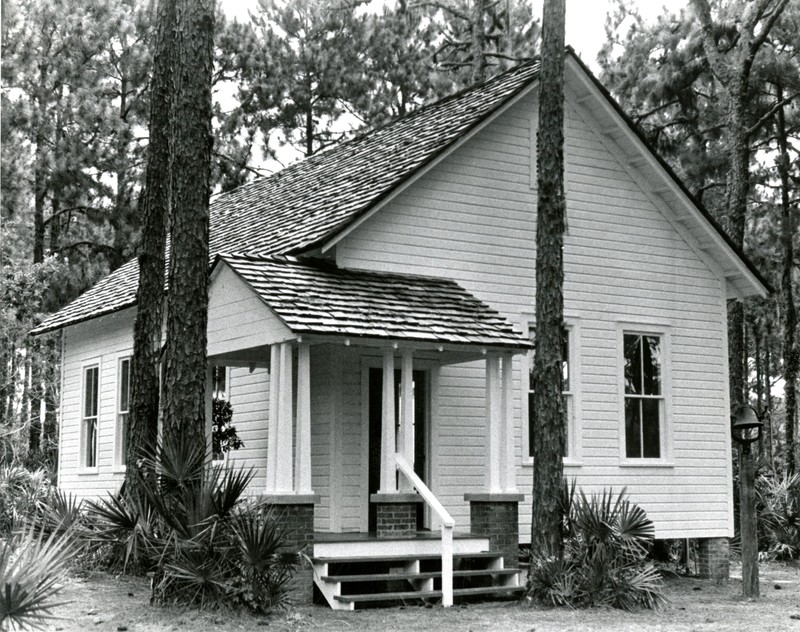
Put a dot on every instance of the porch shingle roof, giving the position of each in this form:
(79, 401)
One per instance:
(318, 298)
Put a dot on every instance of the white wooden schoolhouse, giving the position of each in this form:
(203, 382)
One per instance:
(372, 307)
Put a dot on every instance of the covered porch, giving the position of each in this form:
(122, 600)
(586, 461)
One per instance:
(353, 362)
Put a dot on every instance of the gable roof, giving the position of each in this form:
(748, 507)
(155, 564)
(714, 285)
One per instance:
(315, 297)
(309, 203)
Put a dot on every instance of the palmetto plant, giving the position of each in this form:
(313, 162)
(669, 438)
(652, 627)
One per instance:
(778, 499)
(606, 542)
(193, 527)
(31, 566)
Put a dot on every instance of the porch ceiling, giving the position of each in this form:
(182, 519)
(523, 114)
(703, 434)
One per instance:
(318, 299)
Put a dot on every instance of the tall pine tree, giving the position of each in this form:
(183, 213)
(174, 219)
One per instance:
(548, 444)
(190, 176)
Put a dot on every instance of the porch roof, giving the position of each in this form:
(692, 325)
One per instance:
(316, 298)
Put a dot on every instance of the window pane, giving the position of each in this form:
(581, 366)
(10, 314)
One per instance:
(651, 436)
(123, 437)
(567, 403)
(91, 442)
(90, 392)
(565, 360)
(124, 385)
(531, 423)
(633, 364)
(633, 426)
(651, 363)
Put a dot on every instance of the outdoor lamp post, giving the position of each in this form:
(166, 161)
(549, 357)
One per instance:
(746, 430)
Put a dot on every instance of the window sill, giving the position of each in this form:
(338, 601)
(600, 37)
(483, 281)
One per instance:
(646, 463)
(85, 471)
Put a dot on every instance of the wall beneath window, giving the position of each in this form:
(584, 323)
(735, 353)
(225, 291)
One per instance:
(104, 341)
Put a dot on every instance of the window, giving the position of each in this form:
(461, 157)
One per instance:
(644, 395)
(91, 391)
(567, 393)
(123, 408)
(223, 434)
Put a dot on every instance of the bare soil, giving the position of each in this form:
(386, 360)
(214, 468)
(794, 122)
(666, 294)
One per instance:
(105, 602)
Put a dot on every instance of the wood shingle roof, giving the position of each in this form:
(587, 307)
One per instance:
(314, 297)
(309, 202)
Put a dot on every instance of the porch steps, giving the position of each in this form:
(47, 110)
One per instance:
(430, 575)
(358, 575)
(429, 594)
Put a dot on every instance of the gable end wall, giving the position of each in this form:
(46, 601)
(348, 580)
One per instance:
(472, 218)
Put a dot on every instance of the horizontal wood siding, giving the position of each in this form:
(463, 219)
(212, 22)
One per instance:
(472, 218)
(248, 393)
(237, 317)
(102, 341)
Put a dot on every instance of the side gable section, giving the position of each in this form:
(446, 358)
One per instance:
(659, 184)
(238, 320)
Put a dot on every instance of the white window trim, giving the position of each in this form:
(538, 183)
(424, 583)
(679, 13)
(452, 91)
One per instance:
(573, 326)
(666, 431)
(82, 468)
(119, 458)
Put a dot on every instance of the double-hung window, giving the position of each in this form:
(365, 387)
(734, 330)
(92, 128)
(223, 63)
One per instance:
(568, 393)
(123, 409)
(89, 416)
(645, 414)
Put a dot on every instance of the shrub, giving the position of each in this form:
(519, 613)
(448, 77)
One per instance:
(778, 502)
(604, 560)
(31, 565)
(193, 528)
(22, 493)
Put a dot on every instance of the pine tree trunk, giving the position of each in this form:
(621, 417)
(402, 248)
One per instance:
(770, 428)
(791, 357)
(478, 41)
(548, 447)
(142, 428)
(190, 155)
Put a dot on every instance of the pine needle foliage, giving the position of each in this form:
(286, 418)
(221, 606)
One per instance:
(604, 559)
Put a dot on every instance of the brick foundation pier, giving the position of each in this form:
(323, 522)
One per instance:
(294, 513)
(496, 516)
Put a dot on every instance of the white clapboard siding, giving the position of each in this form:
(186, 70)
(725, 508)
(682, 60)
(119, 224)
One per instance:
(102, 341)
(237, 317)
(472, 218)
(248, 393)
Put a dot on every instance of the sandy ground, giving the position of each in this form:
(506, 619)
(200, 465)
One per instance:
(104, 602)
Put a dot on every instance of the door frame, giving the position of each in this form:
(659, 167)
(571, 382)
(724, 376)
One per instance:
(421, 363)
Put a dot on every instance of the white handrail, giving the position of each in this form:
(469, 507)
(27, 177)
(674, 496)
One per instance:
(447, 526)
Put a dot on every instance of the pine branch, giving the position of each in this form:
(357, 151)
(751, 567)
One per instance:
(771, 112)
(72, 209)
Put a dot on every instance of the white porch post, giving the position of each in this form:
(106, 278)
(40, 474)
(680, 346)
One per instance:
(509, 482)
(302, 472)
(284, 469)
(494, 411)
(272, 422)
(406, 447)
(388, 448)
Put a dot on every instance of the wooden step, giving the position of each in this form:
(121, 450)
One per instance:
(402, 558)
(380, 577)
(428, 594)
